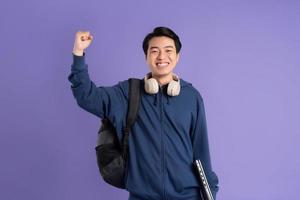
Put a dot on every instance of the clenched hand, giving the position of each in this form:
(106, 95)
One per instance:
(82, 41)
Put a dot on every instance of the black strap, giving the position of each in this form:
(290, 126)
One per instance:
(133, 108)
(134, 101)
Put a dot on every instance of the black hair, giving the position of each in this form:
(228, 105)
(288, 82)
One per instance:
(162, 31)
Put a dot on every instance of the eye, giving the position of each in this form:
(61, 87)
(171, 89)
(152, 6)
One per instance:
(169, 50)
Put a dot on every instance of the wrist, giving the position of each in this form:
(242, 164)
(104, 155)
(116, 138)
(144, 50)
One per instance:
(77, 52)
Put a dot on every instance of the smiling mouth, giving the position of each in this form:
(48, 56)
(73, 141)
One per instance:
(164, 64)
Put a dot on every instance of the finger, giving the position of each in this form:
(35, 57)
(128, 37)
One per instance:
(90, 37)
(84, 37)
(79, 33)
(85, 33)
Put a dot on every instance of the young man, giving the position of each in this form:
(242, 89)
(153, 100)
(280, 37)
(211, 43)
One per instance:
(170, 131)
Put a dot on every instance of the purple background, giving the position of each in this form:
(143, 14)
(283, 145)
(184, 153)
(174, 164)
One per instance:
(243, 56)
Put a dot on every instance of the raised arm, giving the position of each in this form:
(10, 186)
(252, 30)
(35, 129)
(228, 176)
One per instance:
(101, 101)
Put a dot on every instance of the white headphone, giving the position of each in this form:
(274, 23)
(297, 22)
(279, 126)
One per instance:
(151, 85)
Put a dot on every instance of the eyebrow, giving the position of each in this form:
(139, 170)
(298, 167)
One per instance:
(154, 47)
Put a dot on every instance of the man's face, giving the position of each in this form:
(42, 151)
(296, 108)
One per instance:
(161, 56)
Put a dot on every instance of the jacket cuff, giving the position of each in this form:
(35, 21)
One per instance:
(78, 62)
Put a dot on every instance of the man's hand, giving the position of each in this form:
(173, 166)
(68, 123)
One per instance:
(82, 41)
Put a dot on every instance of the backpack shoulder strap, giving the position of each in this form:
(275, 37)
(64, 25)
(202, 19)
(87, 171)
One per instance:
(133, 108)
(134, 102)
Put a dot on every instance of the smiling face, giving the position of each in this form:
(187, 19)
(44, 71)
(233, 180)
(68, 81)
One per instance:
(162, 58)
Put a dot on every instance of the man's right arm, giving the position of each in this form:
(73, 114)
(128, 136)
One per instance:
(101, 101)
(83, 89)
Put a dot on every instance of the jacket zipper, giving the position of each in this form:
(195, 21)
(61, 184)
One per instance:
(162, 144)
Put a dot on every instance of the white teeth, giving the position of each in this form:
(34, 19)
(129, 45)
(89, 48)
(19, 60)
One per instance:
(162, 64)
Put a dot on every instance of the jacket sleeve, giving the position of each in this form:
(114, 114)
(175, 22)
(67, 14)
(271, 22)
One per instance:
(100, 101)
(201, 146)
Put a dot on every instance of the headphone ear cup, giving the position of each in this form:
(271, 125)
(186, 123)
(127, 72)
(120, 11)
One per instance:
(174, 88)
(151, 86)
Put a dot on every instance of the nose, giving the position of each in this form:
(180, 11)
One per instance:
(161, 55)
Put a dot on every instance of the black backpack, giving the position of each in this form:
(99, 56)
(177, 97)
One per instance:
(112, 157)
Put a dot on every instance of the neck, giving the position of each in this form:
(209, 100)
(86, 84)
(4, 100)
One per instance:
(162, 80)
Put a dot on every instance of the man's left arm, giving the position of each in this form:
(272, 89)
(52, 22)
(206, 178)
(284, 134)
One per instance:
(201, 147)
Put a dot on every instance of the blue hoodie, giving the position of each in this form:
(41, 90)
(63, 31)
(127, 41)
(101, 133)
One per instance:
(169, 133)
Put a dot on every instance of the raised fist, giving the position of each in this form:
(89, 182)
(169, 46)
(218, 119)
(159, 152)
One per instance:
(82, 41)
